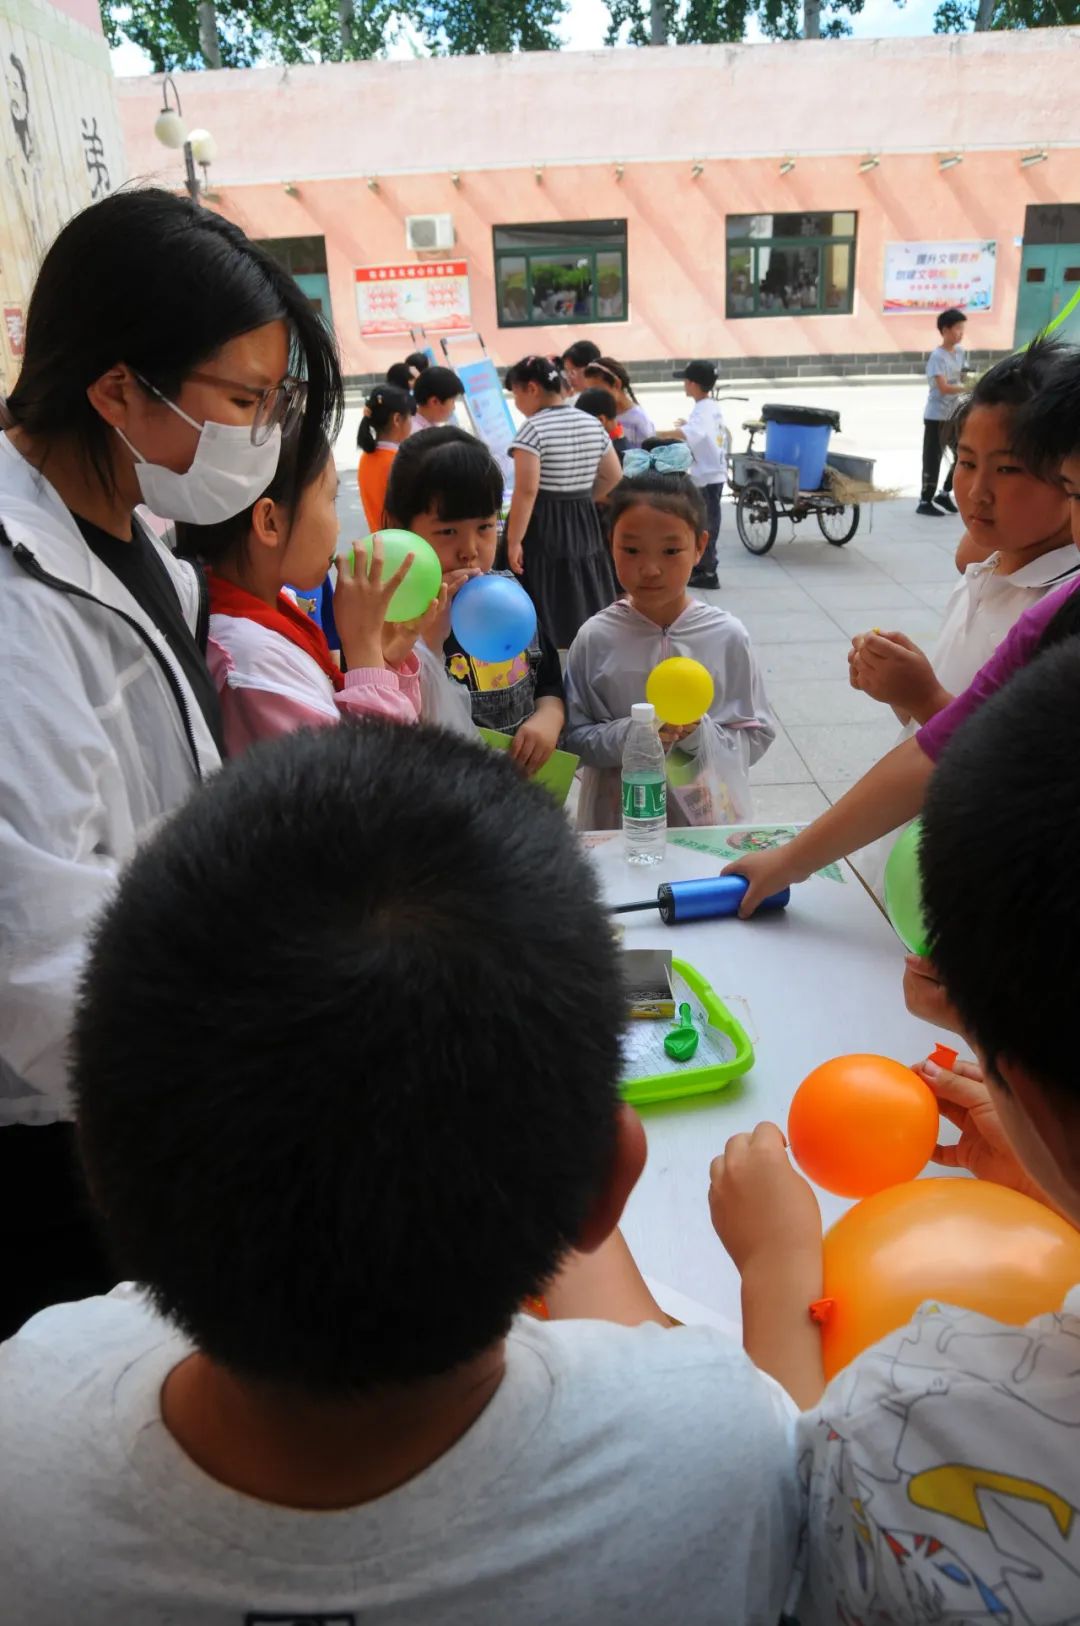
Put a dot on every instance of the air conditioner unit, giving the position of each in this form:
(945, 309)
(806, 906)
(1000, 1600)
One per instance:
(425, 232)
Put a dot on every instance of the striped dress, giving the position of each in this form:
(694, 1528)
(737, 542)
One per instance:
(568, 570)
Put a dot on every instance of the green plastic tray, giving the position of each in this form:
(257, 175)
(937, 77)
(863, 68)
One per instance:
(689, 1080)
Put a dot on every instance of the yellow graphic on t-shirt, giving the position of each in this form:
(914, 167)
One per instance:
(490, 675)
(953, 1489)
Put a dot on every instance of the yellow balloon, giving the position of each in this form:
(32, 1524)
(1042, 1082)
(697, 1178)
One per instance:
(680, 689)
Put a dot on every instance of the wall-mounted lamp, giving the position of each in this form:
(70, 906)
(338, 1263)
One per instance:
(373, 183)
(291, 189)
(696, 170)
(950, 161)
(1030, 158)
(455, 179)
(619, 172)
(538, 175)
(787, 166)
(868, 164)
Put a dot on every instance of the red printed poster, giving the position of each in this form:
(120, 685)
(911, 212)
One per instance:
(15, 329)
(433, 294)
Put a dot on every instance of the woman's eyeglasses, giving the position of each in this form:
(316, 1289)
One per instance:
(279, 407)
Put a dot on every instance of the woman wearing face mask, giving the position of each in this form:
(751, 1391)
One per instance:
(165, 354)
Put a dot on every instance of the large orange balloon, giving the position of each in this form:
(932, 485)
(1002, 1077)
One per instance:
(964, 1242)
(861, 1123)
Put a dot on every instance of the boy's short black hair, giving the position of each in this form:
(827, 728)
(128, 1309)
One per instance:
(346, 1056)
(400, 374)
(580, 353)
(598, 403)
(419, 360)
(1000, 869)
(1048, 428)
(437, 384)
(950, 318)
(444, 471)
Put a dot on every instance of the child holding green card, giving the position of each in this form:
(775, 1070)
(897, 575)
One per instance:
(446, 486)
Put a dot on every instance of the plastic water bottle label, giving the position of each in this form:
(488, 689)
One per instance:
(644, 799)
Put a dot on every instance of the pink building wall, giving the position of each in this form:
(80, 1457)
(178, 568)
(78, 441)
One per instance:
(738, 110)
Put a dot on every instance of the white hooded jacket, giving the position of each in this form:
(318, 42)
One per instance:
(100, 738)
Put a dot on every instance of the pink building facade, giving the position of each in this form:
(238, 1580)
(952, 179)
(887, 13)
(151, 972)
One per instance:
(783, 208)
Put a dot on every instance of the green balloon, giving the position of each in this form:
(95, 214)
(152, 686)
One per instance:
(903, 891)
(420, 587)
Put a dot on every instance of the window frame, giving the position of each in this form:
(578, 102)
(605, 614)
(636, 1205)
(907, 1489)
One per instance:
(789, 244)
(550, 251)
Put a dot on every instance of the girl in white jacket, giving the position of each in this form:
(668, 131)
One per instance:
(658, 535)
(164, 356)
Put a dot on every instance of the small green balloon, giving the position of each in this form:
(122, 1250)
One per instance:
(420, 587)
(903, 891)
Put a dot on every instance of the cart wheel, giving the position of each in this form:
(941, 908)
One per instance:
(838, 525)
(755, 517)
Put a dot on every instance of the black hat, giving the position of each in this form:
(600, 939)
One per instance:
(701, 373)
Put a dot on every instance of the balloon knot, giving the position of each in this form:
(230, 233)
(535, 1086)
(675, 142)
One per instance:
(821, 1310)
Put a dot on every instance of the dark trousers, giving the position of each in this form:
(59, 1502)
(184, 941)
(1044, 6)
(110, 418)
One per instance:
(712, 496)
(933, 446)
(51, 1247)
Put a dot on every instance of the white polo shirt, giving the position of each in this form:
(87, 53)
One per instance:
(704, 431)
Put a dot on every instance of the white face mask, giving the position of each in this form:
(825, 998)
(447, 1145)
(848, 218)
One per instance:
(227, 474)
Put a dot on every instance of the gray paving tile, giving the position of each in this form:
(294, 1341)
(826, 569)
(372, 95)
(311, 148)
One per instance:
(856, 595)
(833, 789)
(919, 621)
(797, 662)
(936, 594)
(910, 562)
(781, 765)
(790, 626)
(845, 750)
(782, 594)
(780, 804)
(822, 701)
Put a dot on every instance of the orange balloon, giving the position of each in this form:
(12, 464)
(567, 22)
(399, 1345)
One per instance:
(860, 1123)
(964, 1242)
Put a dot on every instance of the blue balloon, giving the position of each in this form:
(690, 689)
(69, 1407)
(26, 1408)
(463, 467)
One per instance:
(493, 618)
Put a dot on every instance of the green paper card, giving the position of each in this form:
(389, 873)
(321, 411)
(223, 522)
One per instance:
(557, 774)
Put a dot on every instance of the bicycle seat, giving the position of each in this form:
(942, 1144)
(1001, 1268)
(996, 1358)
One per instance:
(756, 425)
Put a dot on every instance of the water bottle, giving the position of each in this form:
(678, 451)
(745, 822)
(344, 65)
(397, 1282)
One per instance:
(644, 789)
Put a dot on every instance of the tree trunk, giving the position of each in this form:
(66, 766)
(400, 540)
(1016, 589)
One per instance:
(657, 23)
(984, 17)
(812, 19)
(346, 14)
(209, 44)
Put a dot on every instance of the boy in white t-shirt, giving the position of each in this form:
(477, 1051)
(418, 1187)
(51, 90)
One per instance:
(346, 1072)
(945, 371)
(942, 1467)
(705, 433)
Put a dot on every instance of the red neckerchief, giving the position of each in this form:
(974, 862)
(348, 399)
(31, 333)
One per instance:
(283, 618)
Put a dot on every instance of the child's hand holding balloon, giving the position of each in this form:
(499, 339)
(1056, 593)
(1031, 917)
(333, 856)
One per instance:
(889, 667)
(984, 1148)
(361, 600)
(400, 637)
(763, 1211)
(673, 733)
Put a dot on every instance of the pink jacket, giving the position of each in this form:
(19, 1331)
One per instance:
(269, 686)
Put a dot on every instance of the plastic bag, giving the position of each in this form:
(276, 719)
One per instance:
(709, 779)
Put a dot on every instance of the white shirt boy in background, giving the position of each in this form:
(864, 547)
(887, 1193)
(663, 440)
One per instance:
(705, 432)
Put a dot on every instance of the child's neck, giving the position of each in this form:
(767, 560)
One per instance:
(254, 575)
(288, 1449)
(665, 614)
(1013, 559)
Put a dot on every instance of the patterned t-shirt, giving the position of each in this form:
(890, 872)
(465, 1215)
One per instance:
(942, 1470)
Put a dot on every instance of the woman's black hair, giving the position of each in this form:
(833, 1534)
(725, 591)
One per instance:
(418, 361)
(607, 365)
(1016, 383)
(539, 370)
(400, 374)
(673, 493)
(159, 283)
(385, 402)
(581, 352)
(211, 544)
(597, 403)
(443, 471)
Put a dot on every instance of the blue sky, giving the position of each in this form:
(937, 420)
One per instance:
(587, 21)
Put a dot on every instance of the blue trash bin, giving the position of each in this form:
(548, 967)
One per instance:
(800, 435)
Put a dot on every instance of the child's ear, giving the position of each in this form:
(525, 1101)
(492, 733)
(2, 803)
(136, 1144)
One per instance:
(267, 527)
(628, 1160)
(701, 545)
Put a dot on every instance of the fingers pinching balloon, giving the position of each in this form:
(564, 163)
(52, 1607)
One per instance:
(965, 1242)
(493, 618)
(903, 891)
(860, 1123)
(421, 585)
(681, 690)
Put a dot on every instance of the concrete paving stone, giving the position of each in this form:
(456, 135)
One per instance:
(935, 594)
(855, 595)
(784, 804)
(781, 765)
(834, 751)
(799, 663)
(910, 562)
(781, 595)
(919, 621)
(833, 789)
(790, 626)
(821, 701)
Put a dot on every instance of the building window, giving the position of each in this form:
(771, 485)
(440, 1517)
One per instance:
(790, 265)
(571, 271)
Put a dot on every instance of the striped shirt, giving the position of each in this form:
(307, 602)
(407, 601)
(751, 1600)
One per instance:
(569, 445)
